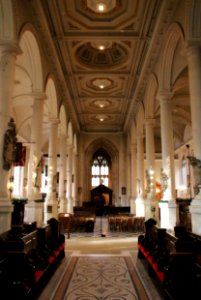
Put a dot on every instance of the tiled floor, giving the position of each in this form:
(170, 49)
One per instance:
(102, 246)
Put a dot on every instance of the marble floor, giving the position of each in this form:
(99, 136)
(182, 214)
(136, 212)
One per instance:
(92, 254)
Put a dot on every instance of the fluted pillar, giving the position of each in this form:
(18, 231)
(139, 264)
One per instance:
(62, 174)
(133, 169)
(168, 206)
(34, 207)
(151, 205)
(140, 176)
(194, 67)
(51, 203)
(8, 54)
(69, 180)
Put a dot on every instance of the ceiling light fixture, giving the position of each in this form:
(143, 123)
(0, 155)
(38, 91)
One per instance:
(101, 7)
(101, 47)
(101, 118)
(101, 86)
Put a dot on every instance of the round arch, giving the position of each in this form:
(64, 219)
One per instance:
(70, 134)
(173, 37)
(28, 80)
(140, 119)
(150, 96)
(31, 58)
(63, 122)
(133, 133)
(193, 17)
(51, 102)
(6, 21)
(75, 143)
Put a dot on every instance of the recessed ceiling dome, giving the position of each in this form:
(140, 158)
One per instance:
(101, 45)
(101, 6)
(102, 83)
(101, 103)
(101, 117)
(90, 56)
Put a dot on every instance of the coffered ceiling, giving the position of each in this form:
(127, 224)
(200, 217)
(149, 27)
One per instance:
(102, 47)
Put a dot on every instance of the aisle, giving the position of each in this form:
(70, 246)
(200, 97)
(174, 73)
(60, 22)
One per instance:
(105, 253)
(101, 226)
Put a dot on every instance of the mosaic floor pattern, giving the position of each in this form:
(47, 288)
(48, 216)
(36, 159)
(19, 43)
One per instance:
(100, 277)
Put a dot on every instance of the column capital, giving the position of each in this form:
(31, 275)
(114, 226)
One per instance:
(133, 147)
(69, 146)
(38, 96)
(164, 96)
(54, 121)
(193, 47)
(140, 135)
(150, 121)
(63, 136)
(10, 48)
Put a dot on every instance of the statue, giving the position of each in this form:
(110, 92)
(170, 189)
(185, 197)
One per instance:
(148, 179)
(10, 141)
(38, 167)
(196, 164)
(164, 181)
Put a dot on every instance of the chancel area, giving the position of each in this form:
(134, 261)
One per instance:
(100, 134)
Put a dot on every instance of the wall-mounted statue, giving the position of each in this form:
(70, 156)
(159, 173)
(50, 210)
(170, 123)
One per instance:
(164, 181)
(196, 164)
(9, 146)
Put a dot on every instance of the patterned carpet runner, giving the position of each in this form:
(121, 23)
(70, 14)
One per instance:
(101, 278)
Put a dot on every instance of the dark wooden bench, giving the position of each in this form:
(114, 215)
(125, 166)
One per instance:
(76, 223)
(173, 258)
(28, 259)
(125, 223)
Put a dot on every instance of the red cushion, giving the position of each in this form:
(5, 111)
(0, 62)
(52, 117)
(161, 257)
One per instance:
(38, 274)
(51, 259)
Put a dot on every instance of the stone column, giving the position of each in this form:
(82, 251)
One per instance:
(140, 176)
(8, 54)
(81, 164)
(69, 180)
(75, 184)
(51, 203)
(151, 205)
(34, 207)
(128, 176)
(133, 169)
(122, 172)
(62, 175)
(194, 67)
(168, 206)
(25, 179)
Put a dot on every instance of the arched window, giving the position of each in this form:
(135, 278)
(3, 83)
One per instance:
(100, 169)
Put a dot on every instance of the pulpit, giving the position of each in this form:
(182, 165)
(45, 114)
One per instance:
(101, 197)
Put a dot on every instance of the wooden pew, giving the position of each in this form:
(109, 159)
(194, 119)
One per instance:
(173, 258)
(28, 260)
